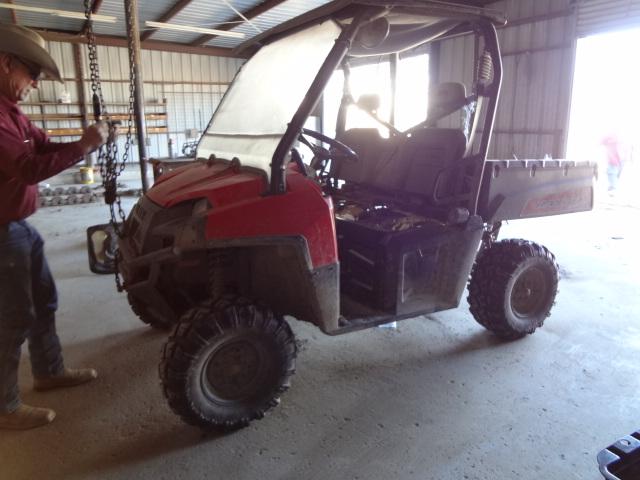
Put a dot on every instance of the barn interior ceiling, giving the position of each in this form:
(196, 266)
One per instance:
(212, 27)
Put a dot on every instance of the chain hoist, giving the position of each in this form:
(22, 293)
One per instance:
(107, 155)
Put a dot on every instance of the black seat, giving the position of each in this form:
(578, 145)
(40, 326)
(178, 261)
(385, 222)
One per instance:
(422, 163)
(367, 143)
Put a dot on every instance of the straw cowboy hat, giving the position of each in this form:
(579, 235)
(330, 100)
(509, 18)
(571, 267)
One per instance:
(29, 46)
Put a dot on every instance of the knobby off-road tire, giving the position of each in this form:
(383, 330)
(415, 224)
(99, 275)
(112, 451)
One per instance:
(227, 363)
(154, 320)
(513, 287)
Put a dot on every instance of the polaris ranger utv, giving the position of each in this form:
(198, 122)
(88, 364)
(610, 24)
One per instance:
(371, 230)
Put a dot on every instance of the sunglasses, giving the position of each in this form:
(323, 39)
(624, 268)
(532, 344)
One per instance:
(34, 70)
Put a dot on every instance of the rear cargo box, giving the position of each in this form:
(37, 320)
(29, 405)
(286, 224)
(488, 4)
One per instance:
(515, 189)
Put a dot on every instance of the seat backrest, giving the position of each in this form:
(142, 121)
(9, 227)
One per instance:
(444, 99)
(420, 160)
(366, 142)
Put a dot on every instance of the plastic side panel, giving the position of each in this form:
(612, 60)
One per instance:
(402, 273)
(521, 189)
(279, 277)
(453, 260)
(302, 211)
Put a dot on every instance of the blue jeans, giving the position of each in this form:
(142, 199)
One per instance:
(613, 174)
(28, 301)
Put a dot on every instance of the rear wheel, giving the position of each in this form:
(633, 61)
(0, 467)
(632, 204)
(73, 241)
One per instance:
(227, 363)
(513, 287)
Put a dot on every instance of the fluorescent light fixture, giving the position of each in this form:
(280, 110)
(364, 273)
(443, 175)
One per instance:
(189, 28)
(59, 13)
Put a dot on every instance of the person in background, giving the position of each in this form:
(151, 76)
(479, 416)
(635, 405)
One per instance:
(28, 298)
(614, 161)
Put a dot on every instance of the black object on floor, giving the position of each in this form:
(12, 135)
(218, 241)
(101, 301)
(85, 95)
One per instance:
(621, 461)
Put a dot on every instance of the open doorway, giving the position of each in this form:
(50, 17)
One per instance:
(604, 122)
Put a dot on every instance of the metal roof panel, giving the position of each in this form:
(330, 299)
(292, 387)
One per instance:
(277, 15)
(116, 9)
(152, 10)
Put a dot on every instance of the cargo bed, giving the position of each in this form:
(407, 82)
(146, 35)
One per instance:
(515, 189)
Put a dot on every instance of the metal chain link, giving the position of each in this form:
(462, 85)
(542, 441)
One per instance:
(108, 159)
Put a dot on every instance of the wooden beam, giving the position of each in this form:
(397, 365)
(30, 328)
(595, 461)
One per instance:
(165, 17)
(249, 14)
(111, 41)
(94, 9)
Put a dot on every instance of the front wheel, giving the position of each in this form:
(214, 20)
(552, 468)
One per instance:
(513, 287)
(227, 363)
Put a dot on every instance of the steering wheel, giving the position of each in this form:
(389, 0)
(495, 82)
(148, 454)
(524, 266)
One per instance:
(321, 155)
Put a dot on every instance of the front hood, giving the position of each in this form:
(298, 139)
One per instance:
(220, 183)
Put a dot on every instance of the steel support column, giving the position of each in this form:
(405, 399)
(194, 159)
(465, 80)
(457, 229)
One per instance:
(394, 58)
(82, 94)
(133, 33)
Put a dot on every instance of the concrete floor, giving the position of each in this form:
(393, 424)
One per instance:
(438, 398)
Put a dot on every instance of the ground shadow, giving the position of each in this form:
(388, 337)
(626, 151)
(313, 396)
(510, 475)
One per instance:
(120, 418)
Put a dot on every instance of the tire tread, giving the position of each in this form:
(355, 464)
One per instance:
(201, 325)
(490, 276)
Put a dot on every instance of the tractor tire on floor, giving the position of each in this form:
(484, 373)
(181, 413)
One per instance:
(513, 287)
(227, 363)
(147, 316)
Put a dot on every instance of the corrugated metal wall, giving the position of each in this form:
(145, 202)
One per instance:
(538, 49)
(597, 16)
(187, 87)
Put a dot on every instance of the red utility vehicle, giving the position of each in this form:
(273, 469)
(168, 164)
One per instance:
(371, 230)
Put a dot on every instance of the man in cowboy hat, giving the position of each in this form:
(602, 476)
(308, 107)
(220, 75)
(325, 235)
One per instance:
(28, 298)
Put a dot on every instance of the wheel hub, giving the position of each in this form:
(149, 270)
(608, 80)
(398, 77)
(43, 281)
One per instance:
(231, 371)
(528, 293)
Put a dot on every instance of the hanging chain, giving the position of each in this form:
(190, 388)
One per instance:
(108, 159)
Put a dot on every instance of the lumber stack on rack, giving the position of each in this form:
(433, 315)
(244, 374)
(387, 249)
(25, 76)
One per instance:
(57, 123)
(68, 132)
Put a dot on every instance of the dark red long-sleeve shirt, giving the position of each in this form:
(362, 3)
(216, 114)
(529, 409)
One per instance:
(26, 158)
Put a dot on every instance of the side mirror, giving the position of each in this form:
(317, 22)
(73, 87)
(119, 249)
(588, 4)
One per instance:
(373, 34)
(102, 246)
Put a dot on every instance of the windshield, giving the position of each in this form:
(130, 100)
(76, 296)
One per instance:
(263, 98)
